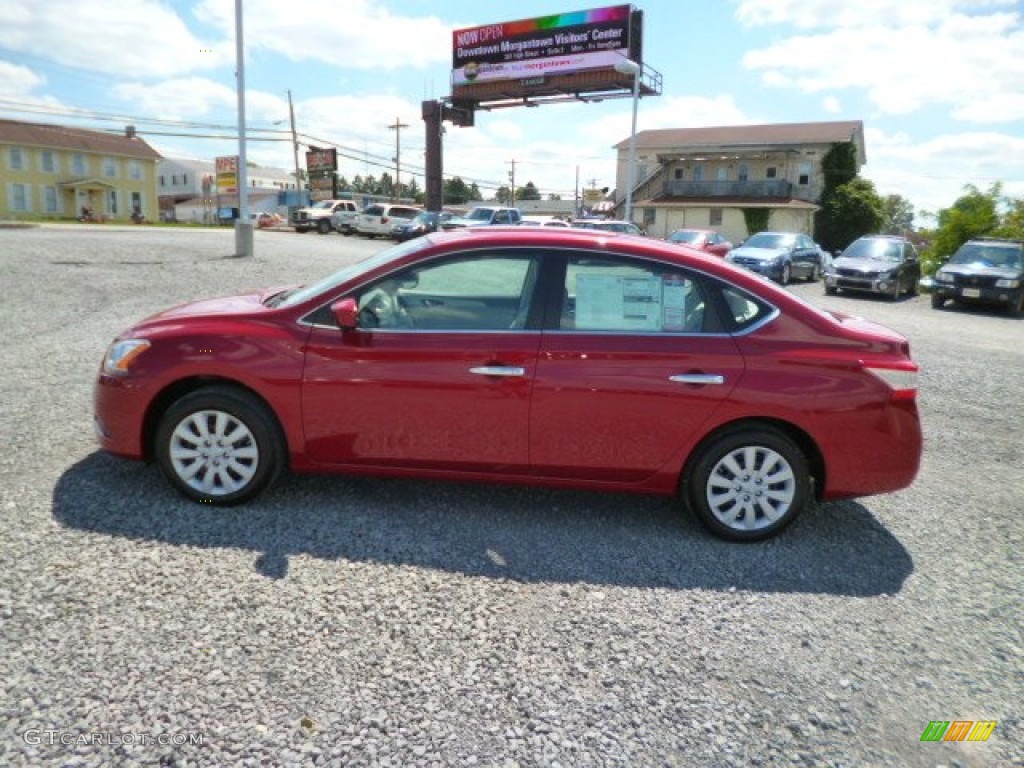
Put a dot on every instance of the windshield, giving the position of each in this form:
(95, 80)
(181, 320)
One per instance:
(881, 250)
(352, 270)
(480, 214)
(686, 236)
(989, 255)
(770, 240)
(323, 204)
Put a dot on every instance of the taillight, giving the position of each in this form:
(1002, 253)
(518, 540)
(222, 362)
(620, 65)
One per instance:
(901, 379)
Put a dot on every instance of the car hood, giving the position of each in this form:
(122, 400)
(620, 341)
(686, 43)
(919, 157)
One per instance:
(245, 304)
(1009, 273)
(761, 254)
(864, 265)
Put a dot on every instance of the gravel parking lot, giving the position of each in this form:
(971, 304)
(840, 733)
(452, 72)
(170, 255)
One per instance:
(363, 622)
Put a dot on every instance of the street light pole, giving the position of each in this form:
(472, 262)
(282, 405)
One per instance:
(630, 67)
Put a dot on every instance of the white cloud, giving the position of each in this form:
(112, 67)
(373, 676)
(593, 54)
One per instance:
(831, 105)
(143, 38)
(904, 56)
(17, 81)
(356, 34)
(932, 174)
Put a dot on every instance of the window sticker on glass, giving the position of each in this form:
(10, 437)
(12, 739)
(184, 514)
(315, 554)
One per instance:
(614, 303)
(675, 290)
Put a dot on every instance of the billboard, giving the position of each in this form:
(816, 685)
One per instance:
(321, 160)
(516, 55)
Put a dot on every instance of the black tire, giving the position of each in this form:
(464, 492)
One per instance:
(1016, 308)
(228, 468)
(830, 290)
(769, 496)
(302, 230)
(815, 275)
(787, 274)
(938, 302)
(897, 289)
(323, 226)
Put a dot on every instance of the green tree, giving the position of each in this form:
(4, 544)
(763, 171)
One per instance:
(972, 215)
(897, 215)
(852, 210)
(528, 192)
(838, 168)
(503, 194)
(455, 191)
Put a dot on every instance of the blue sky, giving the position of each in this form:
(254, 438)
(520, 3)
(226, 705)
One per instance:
(939, 84)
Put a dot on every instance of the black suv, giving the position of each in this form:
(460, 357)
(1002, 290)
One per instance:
(884, 264)
(987, 270)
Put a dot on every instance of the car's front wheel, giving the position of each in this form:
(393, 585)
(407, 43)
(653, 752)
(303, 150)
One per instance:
(748, 484)
(787, 274)
(938, 301)
(323, 226)
(219, 445)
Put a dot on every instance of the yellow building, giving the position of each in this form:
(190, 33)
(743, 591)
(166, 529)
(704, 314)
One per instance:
(52, 171)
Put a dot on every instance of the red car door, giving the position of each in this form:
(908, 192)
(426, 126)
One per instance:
(444, 384)
(630, 376)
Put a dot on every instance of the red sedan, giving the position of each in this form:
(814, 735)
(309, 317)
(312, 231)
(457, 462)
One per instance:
(566, 357)
(701, 239)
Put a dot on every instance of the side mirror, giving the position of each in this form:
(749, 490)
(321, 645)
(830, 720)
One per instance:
(346, 313)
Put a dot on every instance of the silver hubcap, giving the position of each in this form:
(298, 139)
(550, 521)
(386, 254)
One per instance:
(214, 453)
(750, 488)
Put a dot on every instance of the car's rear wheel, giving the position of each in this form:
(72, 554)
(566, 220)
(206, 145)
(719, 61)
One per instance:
(219, 445)
(749, 484)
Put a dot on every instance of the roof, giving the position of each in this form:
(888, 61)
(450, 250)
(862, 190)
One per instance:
(750, 135)
(727, 202)
(82, 139)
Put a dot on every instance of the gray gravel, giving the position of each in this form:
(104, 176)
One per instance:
(363, 622)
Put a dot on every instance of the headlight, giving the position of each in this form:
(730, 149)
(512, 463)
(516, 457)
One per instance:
(1007, 283)
(122, 354)
(943, 277)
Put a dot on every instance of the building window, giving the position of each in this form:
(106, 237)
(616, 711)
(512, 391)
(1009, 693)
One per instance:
(698, 173)
(184, 178)
(722, 173)
(137, 202)
(804, 177)
(174, 180)
(109, 167)
(162, 182)
(743, 172)
(48, 161)
(134, 170)
(650, 214)
(112, 202)
(679, 173)
(16, 157)
(50, 200)
(79, 165)
(18, 197)
(715, 217)
(770, 172)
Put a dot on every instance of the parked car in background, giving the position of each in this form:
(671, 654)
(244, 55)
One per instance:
(780, 256)
(344, 218)
(702, 239)
(543, 221)
(266, 219)
(560, 357)
(984, 271)
(318, 216)
(882, 264)
(421, 224)
(380, 219)
(609, 225)
(484, 216)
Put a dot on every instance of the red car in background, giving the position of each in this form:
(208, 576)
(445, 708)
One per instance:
(701, 239)
(559, 357)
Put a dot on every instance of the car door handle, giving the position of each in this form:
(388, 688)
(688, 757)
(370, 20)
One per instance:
(498, 370)
(698, 378)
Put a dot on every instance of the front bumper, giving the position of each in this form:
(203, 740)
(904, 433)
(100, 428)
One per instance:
(770, 269)
(865, 283)
(985, 295)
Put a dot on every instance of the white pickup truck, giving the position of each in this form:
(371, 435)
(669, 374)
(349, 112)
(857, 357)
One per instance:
(321, 216)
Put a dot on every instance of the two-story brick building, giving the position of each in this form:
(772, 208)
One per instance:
(705, 177)
(56, 171)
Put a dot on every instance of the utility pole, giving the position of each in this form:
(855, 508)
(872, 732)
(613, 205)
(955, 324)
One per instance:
(397, 128)
(512, 179)
(295, 153)
(243, 226)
